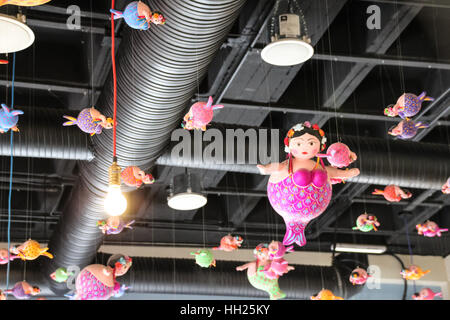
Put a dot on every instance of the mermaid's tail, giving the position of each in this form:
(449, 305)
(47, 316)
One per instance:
(423, 97)
(295, 232)
(275, 293)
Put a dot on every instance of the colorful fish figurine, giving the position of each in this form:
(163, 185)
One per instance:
(407, 106)
(339, 155)
(90, 120)
(325, 294)
(132, 176)
(138, 15)
(23, 3)
(256, 275)
(4, 61)
(204, 258)
(30, 250)
(406, 129)
(4, 256)
(430, 229)
(61, 275)
(393, 193)
(359, 276)
(2, 295)
(23, 290)
(9, 119)
(229, 243)
(413, 273)
(98, 282)
(366, 222)
(277, 266)
(200, 114)
(426, 294)
(446, 187)
(113, 225)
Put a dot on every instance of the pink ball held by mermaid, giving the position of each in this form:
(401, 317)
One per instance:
(430, 229)
(256, 275)
(90, 120)
(407, 106)
(229, 243)
(393, 193)
(298, 189)
(277, 266)
(200, 115)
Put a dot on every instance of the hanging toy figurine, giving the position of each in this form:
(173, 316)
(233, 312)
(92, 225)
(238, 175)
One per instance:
(298, 189)
(98, 282)
(113, 225)
(23, 3)
(325, 294)
(204, 258)
(30, 250)
(23, 290)
(430, 229)
(393, 193)
(4, 256)
(359, 276)
(426, 294)
(132, 176)
(413, 273)
(90, 120)
(200, 114)
(3, 61)
(9, 119)
(138, 15)
(277, 266)
(229, 243)
(2, 295)
(446, 187)
(61, 275)
(407, 106)
(256, 275)
(406, 129)
(339, 155)
(366, 222)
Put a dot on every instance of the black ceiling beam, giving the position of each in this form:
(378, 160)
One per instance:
(63, 26)
(418, 3)
(63, 11)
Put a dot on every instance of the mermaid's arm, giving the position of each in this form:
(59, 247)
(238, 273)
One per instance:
(271, 167)
(341, 174)
(244, 266)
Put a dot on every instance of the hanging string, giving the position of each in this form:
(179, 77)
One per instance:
(10, 173)
(409, 249)
(113, 60)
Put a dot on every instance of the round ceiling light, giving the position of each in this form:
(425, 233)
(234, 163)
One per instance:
(287, 52)
(187, 201)
(14, 34)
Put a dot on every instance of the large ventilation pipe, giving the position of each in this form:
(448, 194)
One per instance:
(158, 71)
(404, 163)
(43, 136)
(181, 276)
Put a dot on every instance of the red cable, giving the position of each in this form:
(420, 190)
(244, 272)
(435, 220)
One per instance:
(113, 59)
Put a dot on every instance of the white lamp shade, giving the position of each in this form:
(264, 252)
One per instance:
(14, 35)
(287, 52)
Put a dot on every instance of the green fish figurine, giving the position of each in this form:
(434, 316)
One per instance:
(60, 275)
(204, 258)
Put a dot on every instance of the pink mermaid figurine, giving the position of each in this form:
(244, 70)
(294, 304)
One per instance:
(298, 189)
(98, 282)
(278, 266)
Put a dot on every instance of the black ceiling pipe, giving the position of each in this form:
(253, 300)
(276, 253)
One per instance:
(42, 135)
(158, 72)
(404, 163)
(183, 276)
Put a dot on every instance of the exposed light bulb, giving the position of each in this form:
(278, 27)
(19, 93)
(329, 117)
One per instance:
(115, 201)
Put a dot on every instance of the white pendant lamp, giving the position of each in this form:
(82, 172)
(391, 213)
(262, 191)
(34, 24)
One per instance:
(185, 193)
(15, 35)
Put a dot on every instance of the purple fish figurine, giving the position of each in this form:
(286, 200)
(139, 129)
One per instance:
(407, 106)
(90, 121)
(406, 129)
(23, 290)
(9, 119)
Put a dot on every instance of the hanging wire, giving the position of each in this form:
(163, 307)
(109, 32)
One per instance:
(409, 248)
(113, 60)
(10, 173)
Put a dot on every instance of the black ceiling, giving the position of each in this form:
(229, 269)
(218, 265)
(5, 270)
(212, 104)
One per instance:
(66, 69)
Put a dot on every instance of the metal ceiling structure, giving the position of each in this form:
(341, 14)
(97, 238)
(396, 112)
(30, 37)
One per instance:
(354, 74)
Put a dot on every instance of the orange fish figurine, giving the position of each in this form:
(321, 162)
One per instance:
(23, 3)
(325, 294)
(229, 243)
(30, 250)
(4, 61)
(132, 176)
(413, 273)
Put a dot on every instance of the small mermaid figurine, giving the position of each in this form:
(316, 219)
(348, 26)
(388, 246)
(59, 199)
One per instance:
(256, 275)
(298, 189)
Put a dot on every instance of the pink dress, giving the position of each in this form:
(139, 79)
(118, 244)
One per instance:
(299, 198)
